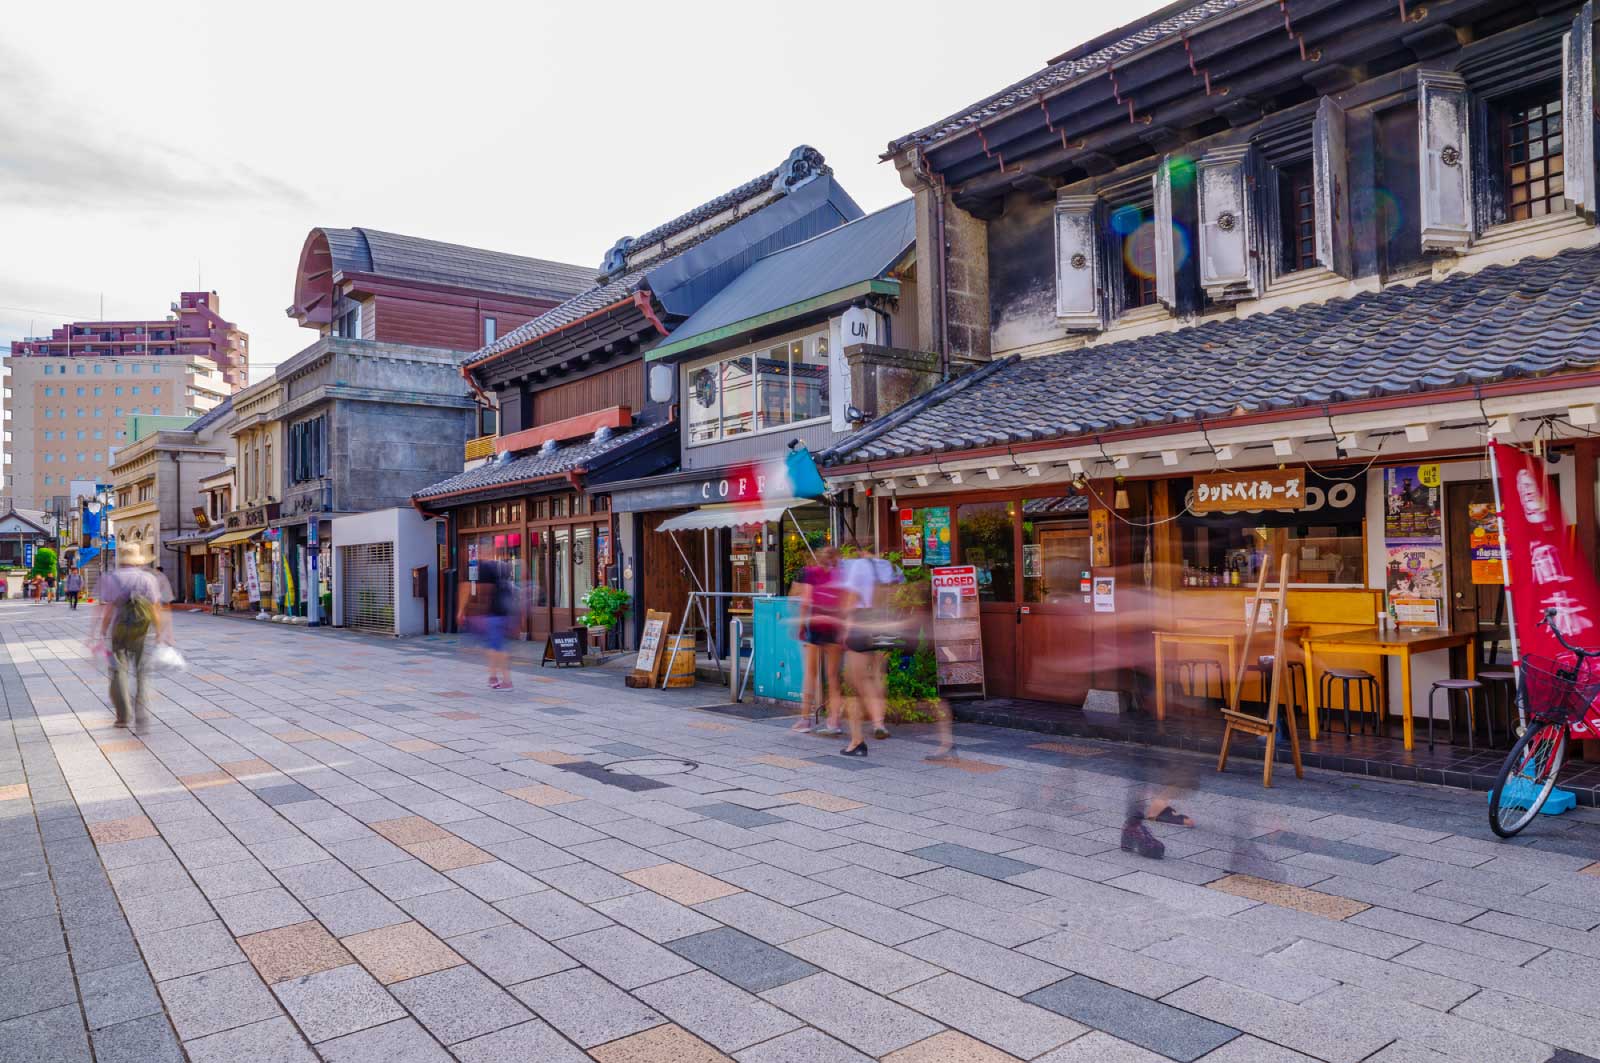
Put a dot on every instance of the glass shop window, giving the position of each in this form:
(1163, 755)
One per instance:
(986, 536)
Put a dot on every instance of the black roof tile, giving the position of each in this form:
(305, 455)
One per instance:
(1532, 318)
(584, 454)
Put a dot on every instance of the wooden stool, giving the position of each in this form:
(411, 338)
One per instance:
(1449, 687)
(1365, 681)
(1500, 686)
(1203, 668)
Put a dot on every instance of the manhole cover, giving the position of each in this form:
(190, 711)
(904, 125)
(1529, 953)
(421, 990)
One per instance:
(652, 766)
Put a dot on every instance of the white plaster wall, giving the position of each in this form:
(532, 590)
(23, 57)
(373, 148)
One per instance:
(414, 544)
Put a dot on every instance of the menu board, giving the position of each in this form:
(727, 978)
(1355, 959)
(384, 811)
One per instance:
(1484, 542)
(957, 634)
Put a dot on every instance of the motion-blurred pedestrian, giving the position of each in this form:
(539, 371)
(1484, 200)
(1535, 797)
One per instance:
(873, 628)
(821, 597)
(487, 610)
(73, 585)
(132, 607)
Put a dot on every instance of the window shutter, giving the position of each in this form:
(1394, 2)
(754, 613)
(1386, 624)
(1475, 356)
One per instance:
(1446, 165)
(1577, 103)
(1166, 248)
(1332, 186)
(1229, 239)
(1079, 269)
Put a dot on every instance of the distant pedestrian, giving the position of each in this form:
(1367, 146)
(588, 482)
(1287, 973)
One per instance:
(488, 610)
(74, 587)
(821, 597)
(38, 590)
(132, 607)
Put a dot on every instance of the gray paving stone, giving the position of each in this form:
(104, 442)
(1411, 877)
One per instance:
(867, 963)
(496, 881)
(232, 879)
(143, 880)
(717, 1012)
(1248, 1049)
(761, 918)
(748, 963)
(613, 855)
(1342, 850)
(991, 892)
(738, 815)
(1379, 976)
(1327, 1036)
(658, 918)
(307, 881)
(1477, 942)
(526, 1043)
(403, 1041)
(117, 994)
(1148, 1023)
(1097, 1046)
(624, 957)
(874, 921)
(217, 1000)
(588, 882)
(864, 1020)
(553, 915)
(510, 954)
(777, 884)
(1271, 975)
(702, 856)
(36, 985)
(362, 853)
(332, 1003)
(452, 912)
(206, 852)
(459, 1004)
(1005, 929)
(1483, 1031)
(406, 879)
(287, 852)
(530, 854)
(995, 1018)
(801, 1046)
(586, 1007)
(251, 913)
(148, 1039)
(268, 1041)
(996, 967)
(355, 911)
(28, 902)
(30, 939)
(54, 1036)
(285, 794)
(98, 942)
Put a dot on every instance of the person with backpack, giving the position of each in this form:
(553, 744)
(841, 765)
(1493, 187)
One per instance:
(872, 630)
(132, 607)
(73, 585)
(488, 610)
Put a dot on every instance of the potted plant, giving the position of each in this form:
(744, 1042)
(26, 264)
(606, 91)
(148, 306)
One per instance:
(606, 606)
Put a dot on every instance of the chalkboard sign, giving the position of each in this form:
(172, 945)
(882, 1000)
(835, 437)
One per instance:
(564, 648)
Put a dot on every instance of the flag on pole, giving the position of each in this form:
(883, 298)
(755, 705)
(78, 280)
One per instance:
(1544, 569)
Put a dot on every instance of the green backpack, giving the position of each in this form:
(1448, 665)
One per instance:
(136, 614)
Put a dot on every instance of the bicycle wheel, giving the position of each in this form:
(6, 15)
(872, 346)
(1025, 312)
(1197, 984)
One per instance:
(1526, 778)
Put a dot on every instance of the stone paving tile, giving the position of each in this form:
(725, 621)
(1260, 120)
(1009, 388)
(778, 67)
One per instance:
(662, 1043)
(874, 921)
(54, 1035)
(403, 1041)
(656, 917)
(189, 950)
(1328, 906)
(984, 962)
(1147, 1023)
(717, 1011)
(552, 757)
(410, 829)
(738, 815)
(149, 1039)
(867, 963)
(406, 879)
(127, 829)
(624, 957)
(993, 1017)
(448, 854)
(250, 913)
(510, 954)
(203, 780)
(337, 1001)
(293, 951)
(216, 1000)
(1477, 942)
(114, 995)
(802, 1046)
(1379, 976)
(586, 1007)
(866, 1021)
(1097, 1046)
(682, 884)
(1328, 1037)
(529, 1042)
(1269, 975)
(181, 905)
(268, 1041)
(36, 985)
(320, 879)
(452, 912)
(774, 883)
(949, 1047)
(542, 795)
(355, 911)
(762, 918)
(396, 953)
(745, 961)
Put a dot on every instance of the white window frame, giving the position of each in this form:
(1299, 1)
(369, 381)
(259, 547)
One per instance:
(810, 337)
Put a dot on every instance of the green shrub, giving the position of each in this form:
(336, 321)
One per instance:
(606, 606)
(44, 562)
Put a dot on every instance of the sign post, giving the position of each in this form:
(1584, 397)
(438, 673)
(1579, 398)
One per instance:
(313, 584)
(957, 632)
(647, 666)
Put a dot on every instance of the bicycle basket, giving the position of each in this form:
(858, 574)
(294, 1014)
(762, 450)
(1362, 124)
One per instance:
(1552, 693)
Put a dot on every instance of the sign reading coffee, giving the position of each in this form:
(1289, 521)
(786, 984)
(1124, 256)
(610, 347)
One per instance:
(1229, 492)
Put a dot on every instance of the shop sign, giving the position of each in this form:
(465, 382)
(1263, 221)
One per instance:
(252, 577)
(742, 487)
(1100, 538)
(957, 634)
(563, 648)
(1227, 492)
(936, 535)
(602, 546)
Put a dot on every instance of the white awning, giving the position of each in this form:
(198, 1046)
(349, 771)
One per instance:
(733, 515)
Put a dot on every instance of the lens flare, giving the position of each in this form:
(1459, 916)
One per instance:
(1389, 213)
(1126, 220)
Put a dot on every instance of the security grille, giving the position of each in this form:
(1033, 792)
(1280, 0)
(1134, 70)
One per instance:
(368, 586)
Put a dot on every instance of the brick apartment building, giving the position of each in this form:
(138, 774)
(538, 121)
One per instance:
(70, 393)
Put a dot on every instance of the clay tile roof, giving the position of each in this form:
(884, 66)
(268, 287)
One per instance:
(387, 254)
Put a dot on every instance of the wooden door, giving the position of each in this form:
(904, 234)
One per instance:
(1054, 656)
(665, 585)
(1471, 606)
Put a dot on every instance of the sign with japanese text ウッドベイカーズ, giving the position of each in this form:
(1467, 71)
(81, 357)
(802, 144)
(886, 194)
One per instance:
(1229, 492)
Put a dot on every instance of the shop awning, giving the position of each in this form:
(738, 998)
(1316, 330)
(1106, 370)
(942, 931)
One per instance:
(735, 515)
(234, 538)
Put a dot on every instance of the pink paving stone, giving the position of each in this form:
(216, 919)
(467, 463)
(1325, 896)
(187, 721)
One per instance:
(204, 779)
(447, 854)
(542, 795)
(296, 736)
(253, 766)
(121, 745)
(457, 714)
(127, 829)
(395, 953)
(214, 714)
(409, 830)
(14, 792)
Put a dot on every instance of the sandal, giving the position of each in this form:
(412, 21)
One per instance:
(1136, 838)
(854, 751)
(1173, 816)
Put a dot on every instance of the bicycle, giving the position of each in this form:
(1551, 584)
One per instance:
(1553, 695)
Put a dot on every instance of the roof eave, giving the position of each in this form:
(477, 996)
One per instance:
(815, 304)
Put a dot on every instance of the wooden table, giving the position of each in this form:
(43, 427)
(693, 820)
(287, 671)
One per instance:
(1228, 636)
(1385, 642)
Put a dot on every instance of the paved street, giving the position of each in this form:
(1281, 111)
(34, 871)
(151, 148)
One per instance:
(332, 847)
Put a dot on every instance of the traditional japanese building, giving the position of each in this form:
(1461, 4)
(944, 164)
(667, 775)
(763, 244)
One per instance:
(579, 408)
(1238, 243)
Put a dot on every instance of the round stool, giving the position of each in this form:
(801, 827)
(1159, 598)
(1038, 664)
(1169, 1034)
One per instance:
(1366, 685)
(1500, 686)
(1294, 693)
(1202, 668)
(1449, 687)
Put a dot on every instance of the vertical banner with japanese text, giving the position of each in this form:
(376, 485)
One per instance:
(1546, 570)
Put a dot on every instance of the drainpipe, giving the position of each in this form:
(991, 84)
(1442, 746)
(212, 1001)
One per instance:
(919, 167)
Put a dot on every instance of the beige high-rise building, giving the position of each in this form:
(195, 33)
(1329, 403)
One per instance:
(68, 416)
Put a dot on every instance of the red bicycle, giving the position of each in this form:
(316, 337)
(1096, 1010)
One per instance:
(1554, 695)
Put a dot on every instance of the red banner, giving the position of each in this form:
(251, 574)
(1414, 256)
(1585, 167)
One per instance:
(1547, 571)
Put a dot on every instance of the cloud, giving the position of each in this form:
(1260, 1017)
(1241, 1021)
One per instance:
(51, 156)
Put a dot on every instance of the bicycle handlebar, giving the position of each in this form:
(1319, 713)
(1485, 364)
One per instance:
(1547, 621)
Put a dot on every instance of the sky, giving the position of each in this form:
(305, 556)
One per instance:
(150, 148)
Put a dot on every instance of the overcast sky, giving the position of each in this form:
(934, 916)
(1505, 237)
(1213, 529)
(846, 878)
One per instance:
(145, 148)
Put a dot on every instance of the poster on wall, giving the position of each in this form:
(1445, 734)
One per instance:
(936, 535)
(1484, 542)
(1105, 594)
(957, 635)
(252, 576)
(1414, 576)
(910, 539)
(1411, 511)
(602, 546)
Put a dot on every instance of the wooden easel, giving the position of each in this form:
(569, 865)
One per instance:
(1255, 725)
